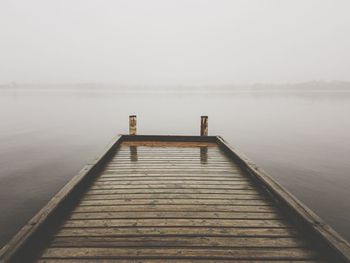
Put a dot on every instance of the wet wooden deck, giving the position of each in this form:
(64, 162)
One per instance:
(174, 201)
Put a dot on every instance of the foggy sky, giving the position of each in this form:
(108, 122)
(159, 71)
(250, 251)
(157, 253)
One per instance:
(174, 42)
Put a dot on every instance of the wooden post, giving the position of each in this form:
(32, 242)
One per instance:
(132, 124)
(204, 125)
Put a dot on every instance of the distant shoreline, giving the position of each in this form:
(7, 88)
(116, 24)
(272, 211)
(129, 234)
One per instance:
(297, 88)
(334, 86)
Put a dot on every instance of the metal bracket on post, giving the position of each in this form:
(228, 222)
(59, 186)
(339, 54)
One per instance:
(204, 125)
(132, 124)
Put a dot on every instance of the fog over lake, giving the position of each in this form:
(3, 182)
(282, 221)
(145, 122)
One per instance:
(301, 137)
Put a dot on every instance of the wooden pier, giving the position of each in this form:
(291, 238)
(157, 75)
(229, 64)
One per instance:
(174, 199)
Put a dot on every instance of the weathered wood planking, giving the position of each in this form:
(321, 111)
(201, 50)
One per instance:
(174, 199)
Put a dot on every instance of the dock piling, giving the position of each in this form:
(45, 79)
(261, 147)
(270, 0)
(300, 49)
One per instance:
(204, 125)
(132, 124)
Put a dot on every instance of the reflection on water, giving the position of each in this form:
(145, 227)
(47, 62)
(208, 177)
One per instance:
(301, 139)
(203, 154)
(133, 153)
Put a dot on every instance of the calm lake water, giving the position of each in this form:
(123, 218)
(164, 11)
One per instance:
(301, 138)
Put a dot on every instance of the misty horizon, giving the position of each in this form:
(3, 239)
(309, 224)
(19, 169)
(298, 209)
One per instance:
(300, 86)
(156, 43)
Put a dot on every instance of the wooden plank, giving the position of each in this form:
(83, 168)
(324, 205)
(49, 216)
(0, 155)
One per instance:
(153, 154)
(170, 166)
(175, 191)
(136, 150)
(127, 202)
(171, 160)
(159, 208)
(232, 176)
(168, 169)
(171, 261)
(173, 196)
(169, 138)
(178, 172)
(176, 214)
(174, 181)
(128, 163)
(172, 186)
(183, 145)
(197, 150)
(195, 157)
(177, 231)
(215, 242)
(166, 165)
(172, 150)
(183, 162)
(144, 159)
(210, 253)
(168, 153)
(214, 148)
(120, 159)
(197, 153)
(170, 178)
(194, 151)
(232, 201)
(165, 222)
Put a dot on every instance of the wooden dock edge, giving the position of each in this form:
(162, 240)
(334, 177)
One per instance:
(40, 223)
(329, 238)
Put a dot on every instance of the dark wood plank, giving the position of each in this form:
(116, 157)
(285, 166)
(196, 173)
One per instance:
(175, 191)
(175, 160)
(173, 196)
(165, 222)
(176, 214)
(247, 253)
(222, 180)
(177, 172)
(177, 231)
(173, 169)
(172, 261)
(164, 165)
(232, 176)
(172, 182)
(172, 186)
(128, 202)
(178, 241)
(159, 208)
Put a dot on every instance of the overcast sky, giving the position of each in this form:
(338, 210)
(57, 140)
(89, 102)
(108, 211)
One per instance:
(174, 42)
